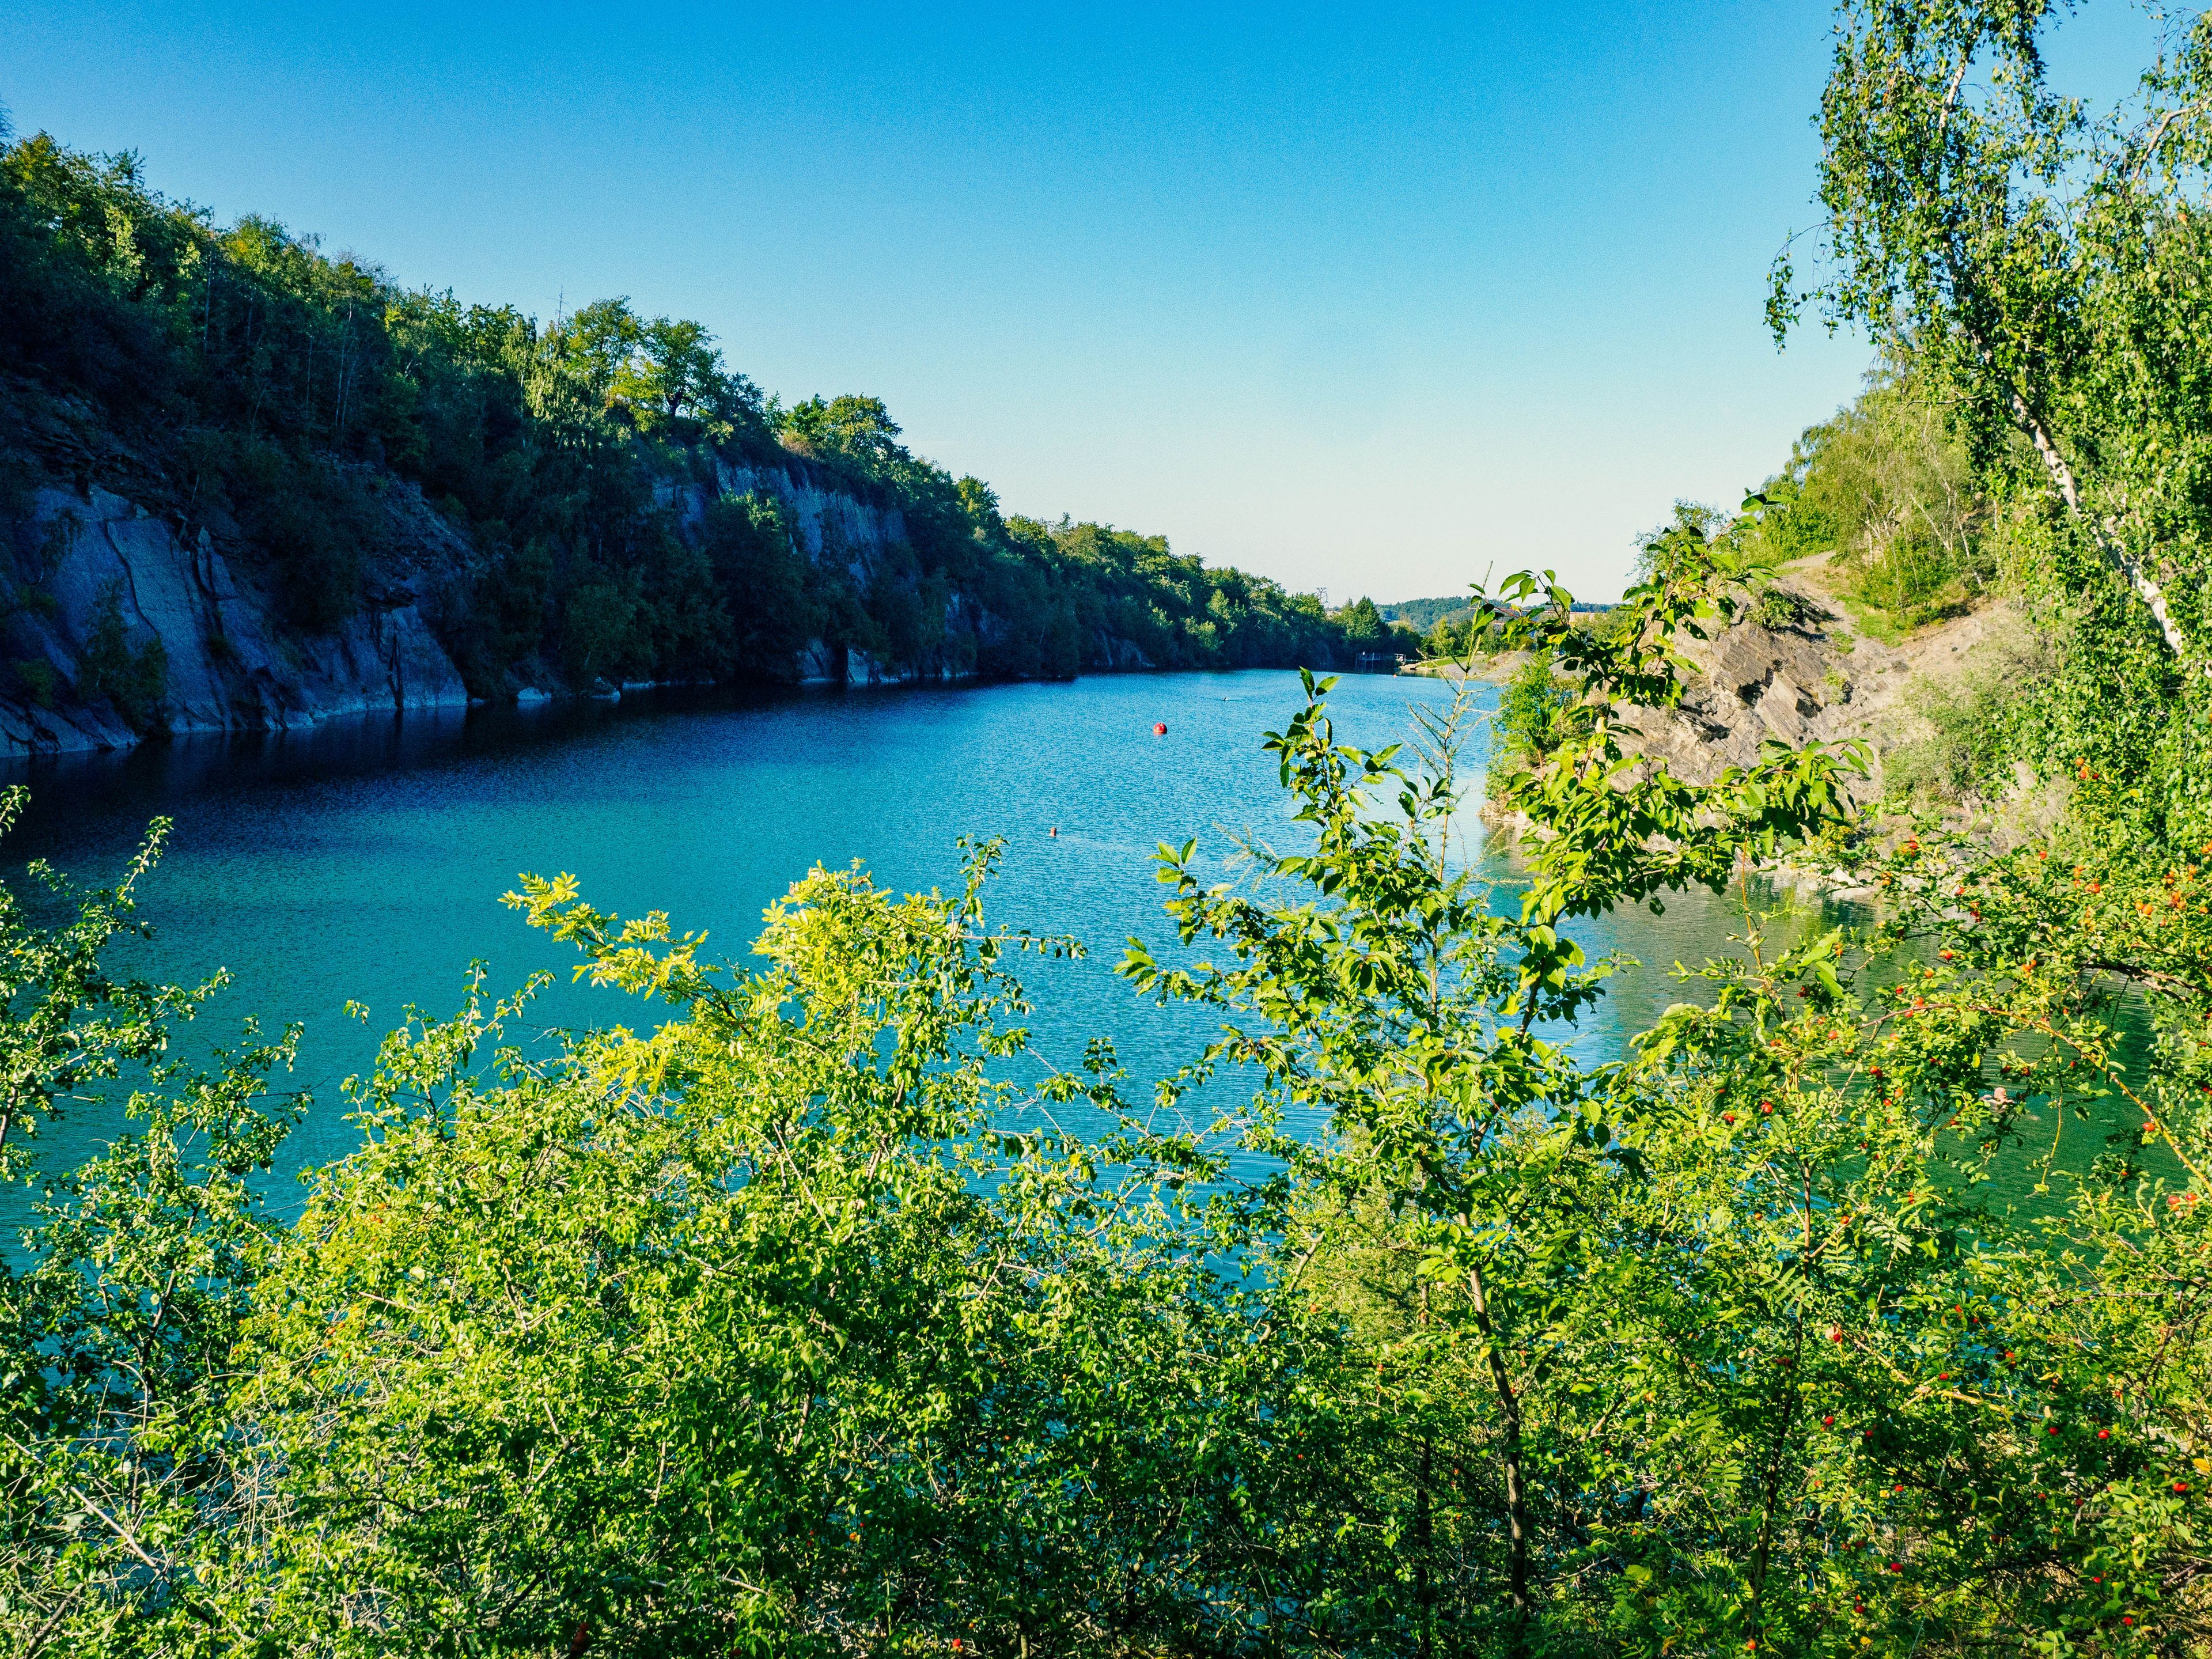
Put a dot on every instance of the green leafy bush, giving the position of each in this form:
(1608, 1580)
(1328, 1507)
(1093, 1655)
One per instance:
(1977, 723)
(1534, 715)
(823, 1310)
(38, 680)
(1887, 491)
(134, 679)
(1778, 608)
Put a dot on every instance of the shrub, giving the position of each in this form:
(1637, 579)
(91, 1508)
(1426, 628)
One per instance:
(1974, 725)
(37, 675)
(1778, 608)
(134, 679)
(1531, 718)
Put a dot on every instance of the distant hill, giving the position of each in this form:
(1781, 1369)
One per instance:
(1425, 614)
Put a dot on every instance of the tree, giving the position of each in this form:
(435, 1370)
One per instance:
(598, 345)
(676, 373)
(130, 1506)
(859, 429)
(1364, 627)
(758, 565)
(980, 502)
(1532, 718)
(2028, 258)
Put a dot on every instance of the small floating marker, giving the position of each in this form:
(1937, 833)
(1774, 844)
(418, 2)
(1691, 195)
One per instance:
(1159, 728)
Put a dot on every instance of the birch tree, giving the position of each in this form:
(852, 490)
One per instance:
(2038, 259)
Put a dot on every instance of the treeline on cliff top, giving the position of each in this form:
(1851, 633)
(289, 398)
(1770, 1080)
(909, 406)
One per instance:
(240, 380)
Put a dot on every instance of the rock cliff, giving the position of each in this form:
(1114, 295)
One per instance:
(118, 628)
(1806, 679)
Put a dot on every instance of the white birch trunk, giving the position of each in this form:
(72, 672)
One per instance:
(2124, 564)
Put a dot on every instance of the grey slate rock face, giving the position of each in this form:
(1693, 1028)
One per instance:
(1811, 681)
(236, 662)
(233, 665)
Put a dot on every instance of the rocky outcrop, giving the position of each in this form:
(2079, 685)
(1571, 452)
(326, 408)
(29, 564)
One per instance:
(117, 626)
(1807, 679)
(116, 631)
(827, 521)
(1113, 653)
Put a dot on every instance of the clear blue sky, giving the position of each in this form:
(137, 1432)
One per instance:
(1370, 297)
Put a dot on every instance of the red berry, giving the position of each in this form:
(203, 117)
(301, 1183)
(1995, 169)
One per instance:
(2181, 1486)
(1828, 1422)
(1728, 1117)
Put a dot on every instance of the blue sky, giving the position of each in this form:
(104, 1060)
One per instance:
(1374, 297)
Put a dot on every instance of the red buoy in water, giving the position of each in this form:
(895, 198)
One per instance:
(1159, 728)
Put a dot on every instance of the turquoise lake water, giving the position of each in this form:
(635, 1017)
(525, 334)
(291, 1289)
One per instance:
(365, 860)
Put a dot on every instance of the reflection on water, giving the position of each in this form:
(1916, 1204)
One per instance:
(365, 859)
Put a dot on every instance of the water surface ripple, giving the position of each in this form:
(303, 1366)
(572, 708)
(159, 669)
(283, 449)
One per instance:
(364, 861)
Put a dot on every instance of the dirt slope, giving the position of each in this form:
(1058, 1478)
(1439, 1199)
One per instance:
(1816, 679)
